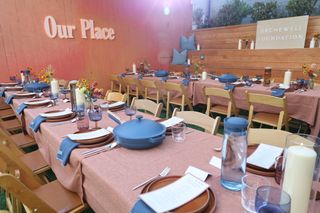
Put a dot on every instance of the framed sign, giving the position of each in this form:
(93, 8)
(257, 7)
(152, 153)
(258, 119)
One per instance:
(282, 33)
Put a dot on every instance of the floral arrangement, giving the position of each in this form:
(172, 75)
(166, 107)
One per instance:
(312, 71)
(198, 66)
(316, 35)
(90, 90)
(46, 75)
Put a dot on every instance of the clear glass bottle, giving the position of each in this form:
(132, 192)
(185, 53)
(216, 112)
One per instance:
(234, 153)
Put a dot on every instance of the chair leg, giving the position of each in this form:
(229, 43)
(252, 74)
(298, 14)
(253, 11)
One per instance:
(168, 105)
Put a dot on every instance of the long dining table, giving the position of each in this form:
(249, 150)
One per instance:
(105, 180)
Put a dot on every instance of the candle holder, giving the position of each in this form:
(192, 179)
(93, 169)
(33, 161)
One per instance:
(301, 167)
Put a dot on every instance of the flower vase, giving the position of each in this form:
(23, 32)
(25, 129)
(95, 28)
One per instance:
(311, 83)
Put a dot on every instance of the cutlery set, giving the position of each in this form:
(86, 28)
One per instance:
(164, 173)
(99, 150)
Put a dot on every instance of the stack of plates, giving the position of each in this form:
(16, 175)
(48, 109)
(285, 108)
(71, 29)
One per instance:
(206, 202)
(115, 106)
(92, 138)
(58, 115)
(36, 103)
(256, 169)
(24, 95)
(15, 88)
(10, 84)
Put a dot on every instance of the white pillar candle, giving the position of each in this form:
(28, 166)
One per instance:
(22, 77)
(54, 87)
(298, 175)
(312, 43)
(287, 78)
(80, 99)
(204, 75)
(252, 45)
(239, 44)
(198, 46)
(188, 61)
(134, 68)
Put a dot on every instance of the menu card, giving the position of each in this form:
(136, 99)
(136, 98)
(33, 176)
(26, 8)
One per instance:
(198, 173)
(172, 121)
(175, 194)
(89, 135)
(264, 156)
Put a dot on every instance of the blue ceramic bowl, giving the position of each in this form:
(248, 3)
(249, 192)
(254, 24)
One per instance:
(161, 73)
(227, 78)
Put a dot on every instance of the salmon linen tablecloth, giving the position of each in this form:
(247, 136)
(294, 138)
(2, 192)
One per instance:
(105, 180)
(304, 106)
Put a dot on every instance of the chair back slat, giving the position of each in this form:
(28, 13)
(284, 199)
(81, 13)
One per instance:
(266, 100)
(213, 91)
(267, 136)
(115, 96)
(150, 106)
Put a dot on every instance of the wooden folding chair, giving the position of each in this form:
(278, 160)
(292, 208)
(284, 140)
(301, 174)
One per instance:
(181, 100)
(151, 90)
(273, 137)
(49, 198)
(204, 121)
(147, 105)
(211, 92)
(132, 87)
(115, 96)
(21, 140)
(6, 114)
(271, 119)
(3, 104)
(115, 85)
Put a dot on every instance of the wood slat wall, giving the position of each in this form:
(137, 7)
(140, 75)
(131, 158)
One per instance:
(219, 47)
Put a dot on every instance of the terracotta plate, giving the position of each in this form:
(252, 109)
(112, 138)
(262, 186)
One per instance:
(14, 88)
(107, 141)
(57, 117)
(24, 95)
(72, 116)
(8, 84)
(93, 140)
(258, 170)
(206, 202)
(32, 103)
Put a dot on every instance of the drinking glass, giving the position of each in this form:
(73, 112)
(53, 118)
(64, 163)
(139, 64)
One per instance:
(82, 121)
(130, 111)
(272, 199)
(54, 98)
(178, 132)
(64, 91)
(250, 184)
(95, 114)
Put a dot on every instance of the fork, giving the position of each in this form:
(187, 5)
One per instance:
(164, 173)
(100, 149)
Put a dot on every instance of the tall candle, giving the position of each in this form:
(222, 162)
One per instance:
(188, 61)
(22, 76)
(298, 175)
(54, 87)
(287, 78)
(252, 45)
(134, 68)
(239, 44)
(312, 43)
(198, 46)
(80, 99)
(204, 75)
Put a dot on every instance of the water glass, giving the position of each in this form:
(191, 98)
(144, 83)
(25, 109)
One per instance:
(250, 184)
(82, 121)
(64, 91)
(130, 111)
(178, 132)
(272, 199)
(95, 114)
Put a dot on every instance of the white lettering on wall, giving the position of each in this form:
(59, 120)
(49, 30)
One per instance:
(88, 30)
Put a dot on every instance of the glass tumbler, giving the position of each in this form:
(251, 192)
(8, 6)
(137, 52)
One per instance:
(178, 132)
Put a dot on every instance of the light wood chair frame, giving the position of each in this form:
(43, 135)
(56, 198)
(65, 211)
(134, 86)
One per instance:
(147, 105)
(115, 83)
(256, 98)
(147, 85)
(204, 121)
(115, 96)
(273, 137)
(131, 82)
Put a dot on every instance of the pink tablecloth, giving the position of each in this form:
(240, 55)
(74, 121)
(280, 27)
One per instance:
(107, 179)
(303, 106)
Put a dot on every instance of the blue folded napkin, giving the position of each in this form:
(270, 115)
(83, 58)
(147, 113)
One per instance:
(186, 82)
(229, 87)
(139, 76)
(114, 118)
(35, 124)
(2, 92)
(278, 92)
(141, 207)
(20, 109)
(9, 99)
(65, 149)
(122, 75)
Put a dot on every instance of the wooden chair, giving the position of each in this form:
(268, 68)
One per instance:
(204, 121)
(182, 98)
(3, 104)
(6, 113)
(12, 125)
(115, 85)
(115, 96)
(21, 140)
(147, 105)
(229, 110)
(132, 87)
(49, 198)
(273, 137)
(146, 86)
(270, 119)
(30, 163)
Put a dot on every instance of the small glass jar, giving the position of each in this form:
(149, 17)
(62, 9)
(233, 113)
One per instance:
(234, 153)
(267, 76)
